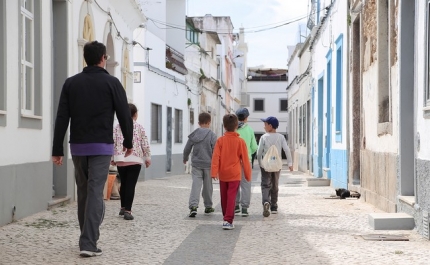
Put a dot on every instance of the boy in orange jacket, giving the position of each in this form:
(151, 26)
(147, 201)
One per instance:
(230, 155)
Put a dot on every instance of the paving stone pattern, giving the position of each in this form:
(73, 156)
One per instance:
(308, 229)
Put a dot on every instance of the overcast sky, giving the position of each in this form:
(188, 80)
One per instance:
(269, 47)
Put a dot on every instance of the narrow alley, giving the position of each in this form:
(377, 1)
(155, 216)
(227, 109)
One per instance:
(308, 229)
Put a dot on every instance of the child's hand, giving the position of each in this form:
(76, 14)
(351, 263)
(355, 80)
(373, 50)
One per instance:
(291, 168)
(185, 162)
(215, 178)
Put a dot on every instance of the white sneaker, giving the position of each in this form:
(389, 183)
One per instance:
(227, 226)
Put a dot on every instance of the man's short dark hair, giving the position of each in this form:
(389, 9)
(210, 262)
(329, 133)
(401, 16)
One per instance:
(93, 52)
(230, 122)
(133, 109)
(204, 118)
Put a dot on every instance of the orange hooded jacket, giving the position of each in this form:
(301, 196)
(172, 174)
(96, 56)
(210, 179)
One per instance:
(229, 155)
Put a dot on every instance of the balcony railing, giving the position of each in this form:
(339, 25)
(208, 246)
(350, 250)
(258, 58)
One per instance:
(175, 60)
(268, 78)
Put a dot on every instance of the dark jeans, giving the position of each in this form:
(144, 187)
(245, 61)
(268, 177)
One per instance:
(253, 158)
(269, 187)
(129, 176)
(90, 173)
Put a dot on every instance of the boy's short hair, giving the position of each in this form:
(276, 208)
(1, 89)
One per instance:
(230, 122)
(204, 118)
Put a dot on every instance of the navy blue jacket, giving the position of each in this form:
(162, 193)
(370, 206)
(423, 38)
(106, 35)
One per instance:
(89, 100)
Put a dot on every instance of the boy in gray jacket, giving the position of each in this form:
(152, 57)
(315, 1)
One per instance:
(202, 142)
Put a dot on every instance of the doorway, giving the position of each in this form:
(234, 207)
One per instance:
(169, 140)
(406, 110)
(318, 169)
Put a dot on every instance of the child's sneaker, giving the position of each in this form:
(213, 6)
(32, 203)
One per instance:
(121, 211)
(245, 212)
(266, 211)
(209, 210)
(273, 210)
(128, 216)
(227, 226)
(193, 212)
(237, 210)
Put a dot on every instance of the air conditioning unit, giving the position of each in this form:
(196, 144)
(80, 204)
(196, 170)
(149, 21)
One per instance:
(244, 99)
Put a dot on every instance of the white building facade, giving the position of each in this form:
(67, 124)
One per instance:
(160, 89)
(267, 97)
(329, 53)
(36, 58)
(299, 91)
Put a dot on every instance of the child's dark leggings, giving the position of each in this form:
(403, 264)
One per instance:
(129, 176)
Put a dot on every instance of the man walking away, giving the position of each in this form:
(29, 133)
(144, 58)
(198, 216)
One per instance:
(89, 101)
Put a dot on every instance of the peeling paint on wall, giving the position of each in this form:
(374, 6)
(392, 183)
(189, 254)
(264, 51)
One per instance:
(369, 32)
(394, 26)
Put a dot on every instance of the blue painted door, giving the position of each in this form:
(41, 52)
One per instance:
(320, 113)
(327, 147)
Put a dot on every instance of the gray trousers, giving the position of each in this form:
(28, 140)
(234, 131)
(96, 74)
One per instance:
(201, 177)
(269, 187)
(243, 196)
(90, 173)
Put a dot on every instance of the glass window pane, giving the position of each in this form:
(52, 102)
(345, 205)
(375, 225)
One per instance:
(27, 4)
(28, 87)
(28, 40)
(258, 105)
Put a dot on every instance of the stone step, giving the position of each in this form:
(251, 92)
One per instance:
(317, 182)
(391, 221)
(58, 202)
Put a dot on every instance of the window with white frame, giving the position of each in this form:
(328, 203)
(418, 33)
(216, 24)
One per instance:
(300, 125)
(283, 105)
(156, 121)
(178, 126)
(27, 57)
(258, 104)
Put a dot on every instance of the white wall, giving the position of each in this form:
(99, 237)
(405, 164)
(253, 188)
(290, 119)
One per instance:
(155, 9)
(176, 37)
(423, 125)
(22, 145)
(335, 26)
(159, 90)
(271, 92)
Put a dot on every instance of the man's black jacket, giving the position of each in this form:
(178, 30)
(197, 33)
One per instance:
(89, 100)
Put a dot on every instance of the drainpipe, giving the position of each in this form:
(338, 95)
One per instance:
(348, 147)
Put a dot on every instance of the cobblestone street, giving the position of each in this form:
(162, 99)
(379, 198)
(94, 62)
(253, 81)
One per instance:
(308, 229)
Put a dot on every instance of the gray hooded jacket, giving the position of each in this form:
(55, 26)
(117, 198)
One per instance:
(202, 142)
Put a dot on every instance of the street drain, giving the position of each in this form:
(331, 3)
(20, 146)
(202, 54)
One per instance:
(380, 237)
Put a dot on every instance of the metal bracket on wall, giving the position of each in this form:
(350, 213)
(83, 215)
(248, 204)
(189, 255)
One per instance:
(426, 225)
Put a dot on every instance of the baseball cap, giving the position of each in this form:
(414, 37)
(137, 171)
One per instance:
(272, 121)
(242, 112)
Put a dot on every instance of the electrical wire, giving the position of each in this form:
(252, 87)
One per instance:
(113, 22)
(220, 31)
